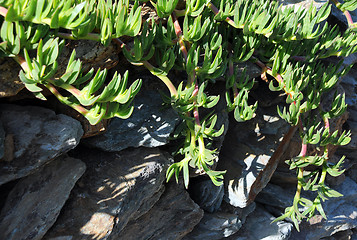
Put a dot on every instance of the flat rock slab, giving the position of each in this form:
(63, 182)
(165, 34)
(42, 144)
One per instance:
(215, 226)
(116, 188)
(251, 153)
(150, 125)
(172, 217)
(35, 202)
(39, 135)
(258, 226)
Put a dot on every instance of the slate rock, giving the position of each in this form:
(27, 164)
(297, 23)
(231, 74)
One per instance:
(276, 196)
(214, 226)
(172, 217)
(2, 140)
(116, 188)
(207, 195)
(35, 202)
(349, 84)
(341, 215)
(341, 17)
(344, 235)
(251, 153)
(39, 136)
(150, 125)
(259, 226)
(302, 3)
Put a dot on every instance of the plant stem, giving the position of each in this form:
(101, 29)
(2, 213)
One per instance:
(3, 11)
(346, 13)
(326, 152)
(68, 87)
(268, 70)
(163, 78)
(64, 100)
(216, 11)
(178, 32)
(180, 13)
(22, 62)
(89, 36)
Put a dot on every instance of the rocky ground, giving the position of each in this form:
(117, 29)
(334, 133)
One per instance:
(62, 179)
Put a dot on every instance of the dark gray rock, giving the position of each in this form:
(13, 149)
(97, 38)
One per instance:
(207, 195)
(352, 172)
(341, 215)
(251, 153)
(35, 202)
(116, 188)
(172, 217)
(354, 234)
(259, 226)
(39, 136)
(150, 125)
(276, 196)
(349, 84)
(344, 235)
(214, 226)
(341, 17)
(2, 140)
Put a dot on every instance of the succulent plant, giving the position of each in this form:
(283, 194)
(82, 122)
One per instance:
(204, 40)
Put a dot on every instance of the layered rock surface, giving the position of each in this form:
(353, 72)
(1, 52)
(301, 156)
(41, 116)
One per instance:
(39, 135)
(116, 188)
(35, 202)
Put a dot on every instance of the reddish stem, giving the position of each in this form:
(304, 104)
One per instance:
(3, 11)
(216, 11)
(62, 99)
(22, 62)
(178, 32)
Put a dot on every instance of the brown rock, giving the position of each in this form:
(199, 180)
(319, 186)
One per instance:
(10, 83)
(35, 202)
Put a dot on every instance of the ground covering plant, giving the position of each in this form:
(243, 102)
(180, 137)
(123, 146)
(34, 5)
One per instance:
(205, 40)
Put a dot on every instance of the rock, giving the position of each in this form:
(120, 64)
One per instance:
(341, 215)
(344, 235)
(116, 188)
(259, 226)
(10, 83)
(352, 172)
(215, 226)
(341, 17)
(150, 126)
(39, 136)
(349, 84)
(276, 196)
(302, 3)
(172, 217)
(99, 56)
(251, 153)
(34, 204)
(207, 195)
(354, 234)
(2, 140)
